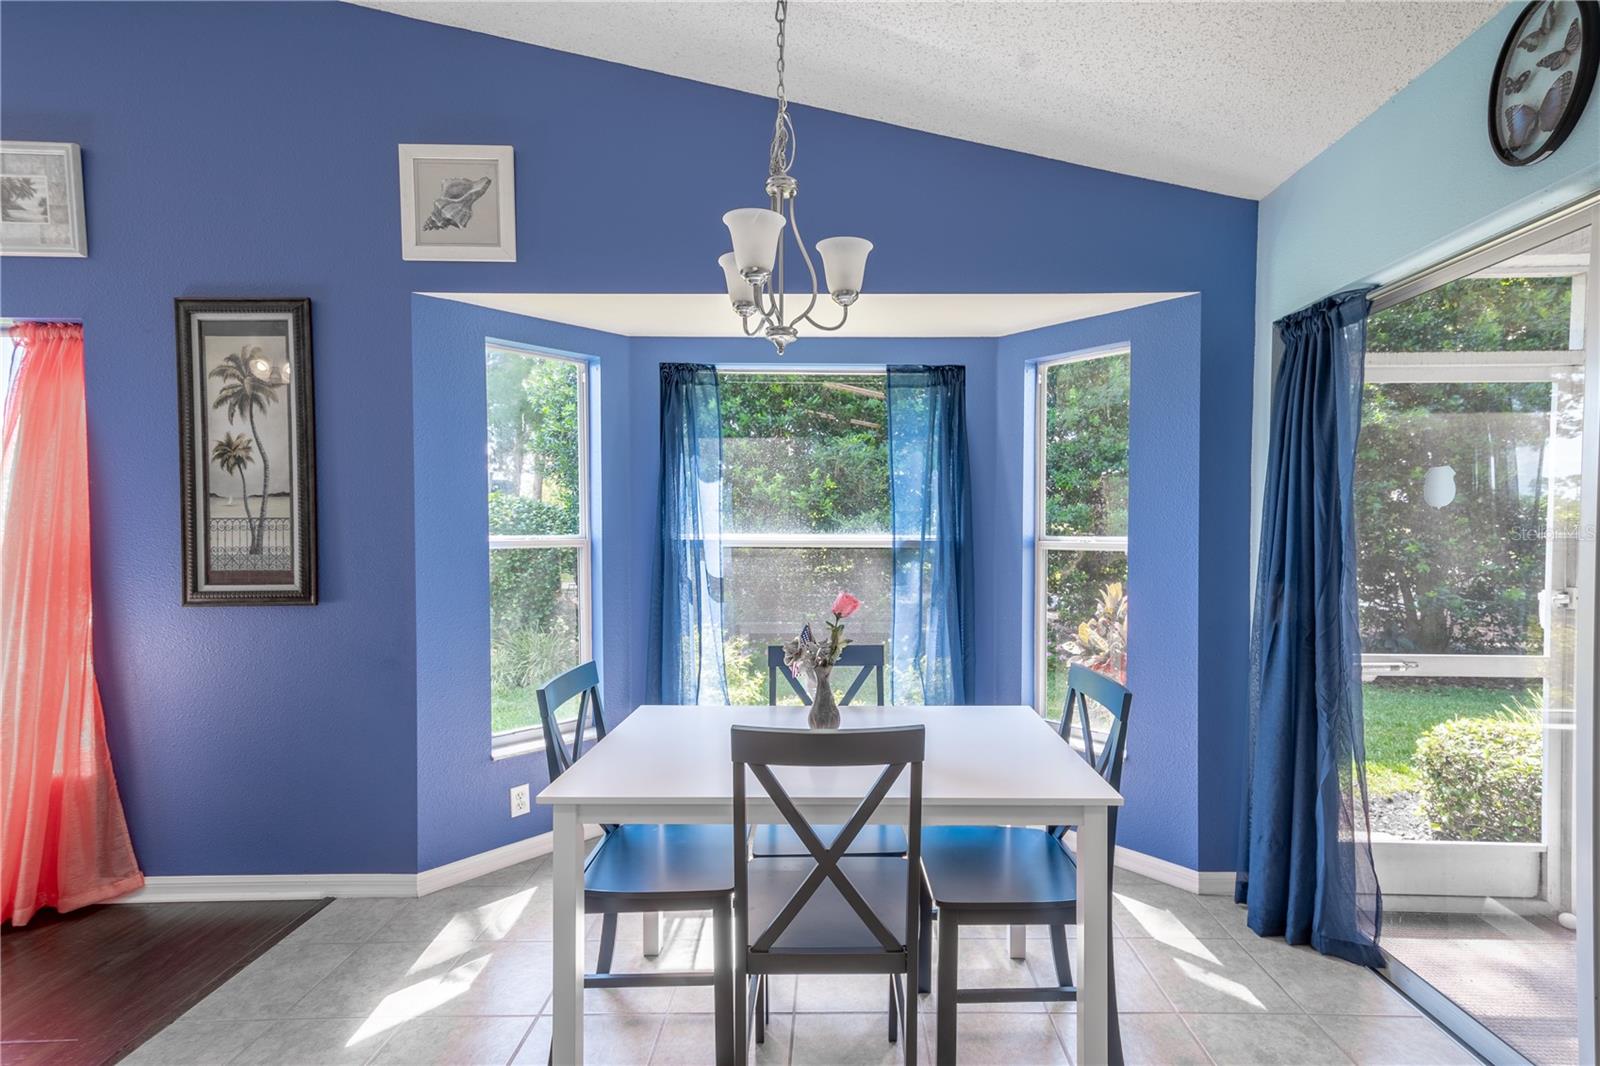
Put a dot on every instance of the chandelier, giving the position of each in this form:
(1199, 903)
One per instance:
(754, 269)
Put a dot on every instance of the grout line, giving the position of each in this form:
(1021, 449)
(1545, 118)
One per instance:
(518, 1049)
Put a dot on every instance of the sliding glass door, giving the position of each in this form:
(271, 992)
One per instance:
(1475, 485)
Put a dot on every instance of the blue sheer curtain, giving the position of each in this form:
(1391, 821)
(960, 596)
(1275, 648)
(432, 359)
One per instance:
(690, 568)
(931, 517)
(1305, 865)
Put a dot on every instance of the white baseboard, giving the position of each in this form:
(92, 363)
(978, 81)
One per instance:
(487, 862)
(1200, 882)
(207, 888)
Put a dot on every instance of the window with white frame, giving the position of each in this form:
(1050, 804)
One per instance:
(1081, 532)
(539, 589)
(805, 461)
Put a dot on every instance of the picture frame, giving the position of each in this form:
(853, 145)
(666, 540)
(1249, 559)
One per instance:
(458, 203)
(41, 199)
(1542, 79)
(247, 451)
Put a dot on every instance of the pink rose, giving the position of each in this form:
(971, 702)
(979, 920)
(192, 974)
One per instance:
(846, 605)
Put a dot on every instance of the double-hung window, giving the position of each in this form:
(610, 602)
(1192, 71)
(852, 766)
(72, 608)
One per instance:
(805, 460)
(539, 590)
(1081, 523)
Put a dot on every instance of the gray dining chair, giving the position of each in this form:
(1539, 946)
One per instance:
(646, 869)
(780, 840)
(830, 912)
(1016, 875)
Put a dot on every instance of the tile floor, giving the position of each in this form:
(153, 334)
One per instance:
(463, 977)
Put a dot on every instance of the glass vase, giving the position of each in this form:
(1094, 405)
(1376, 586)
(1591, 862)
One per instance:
(824, 711)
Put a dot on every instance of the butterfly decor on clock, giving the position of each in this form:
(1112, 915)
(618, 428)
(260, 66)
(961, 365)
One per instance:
(1544, 78)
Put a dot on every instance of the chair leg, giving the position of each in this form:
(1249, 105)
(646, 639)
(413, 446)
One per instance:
(726, 1005)
(925, 948)
(760, 1009)
(894, 1012)
(766, 999)
(909, 1019)
(1062, 954)
(949, 955)
(608, 942)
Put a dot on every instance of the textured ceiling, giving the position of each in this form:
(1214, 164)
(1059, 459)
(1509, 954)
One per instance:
(1231, 97)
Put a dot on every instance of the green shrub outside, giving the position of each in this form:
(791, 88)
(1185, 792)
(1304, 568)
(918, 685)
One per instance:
(1483, 778)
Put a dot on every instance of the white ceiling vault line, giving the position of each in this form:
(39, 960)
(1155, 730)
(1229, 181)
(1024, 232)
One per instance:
(875, 315)
(1227, 96)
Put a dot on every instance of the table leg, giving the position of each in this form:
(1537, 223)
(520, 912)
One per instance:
(1094, 938)
(652, 934)
(566, 1000)
(1019, 941)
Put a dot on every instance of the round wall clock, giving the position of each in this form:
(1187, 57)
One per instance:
(1542, 82)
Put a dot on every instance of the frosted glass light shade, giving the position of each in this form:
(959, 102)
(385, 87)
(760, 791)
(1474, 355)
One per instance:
(844, 262)
(739, 290)
(755, 232)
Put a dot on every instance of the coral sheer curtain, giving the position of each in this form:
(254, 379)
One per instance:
(66, 841)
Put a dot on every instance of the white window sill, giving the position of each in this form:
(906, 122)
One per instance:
(528, 742)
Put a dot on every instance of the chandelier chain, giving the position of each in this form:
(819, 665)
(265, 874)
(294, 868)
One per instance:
(781, 157)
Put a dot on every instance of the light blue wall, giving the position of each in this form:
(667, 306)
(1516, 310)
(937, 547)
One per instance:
(1414, 183)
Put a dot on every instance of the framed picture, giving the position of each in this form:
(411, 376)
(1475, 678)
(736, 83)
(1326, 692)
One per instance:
(246, 451)
(1543, 78)
(458, 201)
(41, 199)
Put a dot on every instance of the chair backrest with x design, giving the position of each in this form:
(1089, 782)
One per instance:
(899, 750)
(869, 657)
(582, 681)
(1083, 687)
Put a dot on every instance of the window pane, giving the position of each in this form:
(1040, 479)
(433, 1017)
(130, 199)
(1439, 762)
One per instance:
(1522, 304)
(805, 453)
(1451, 509)
(1086, 447)
(533, 444)
(1085, 620)
(533, 629)
(777, 590)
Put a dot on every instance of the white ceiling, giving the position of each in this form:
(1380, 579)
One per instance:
(876, 315)
(1227, 96)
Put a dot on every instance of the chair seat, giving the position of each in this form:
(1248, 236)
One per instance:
(827, 924)
(997, 866)
(781, 841)
(668, 862)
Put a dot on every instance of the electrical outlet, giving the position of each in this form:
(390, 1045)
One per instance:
(519, 801)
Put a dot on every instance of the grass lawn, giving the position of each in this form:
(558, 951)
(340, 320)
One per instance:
(1396, 715)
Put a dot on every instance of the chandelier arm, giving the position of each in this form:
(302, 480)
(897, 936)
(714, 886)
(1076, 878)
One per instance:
(843, 318)
(794, 228)
(749, 330)
(770, 316)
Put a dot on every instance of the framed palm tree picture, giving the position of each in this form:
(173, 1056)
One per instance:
(247, 451)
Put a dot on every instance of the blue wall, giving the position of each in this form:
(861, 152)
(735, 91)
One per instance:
(1187, 735)
(249, 149)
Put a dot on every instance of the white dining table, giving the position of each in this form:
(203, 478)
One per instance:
(984, 765)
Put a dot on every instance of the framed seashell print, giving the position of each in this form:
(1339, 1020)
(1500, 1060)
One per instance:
(41, 199)
(458, 201)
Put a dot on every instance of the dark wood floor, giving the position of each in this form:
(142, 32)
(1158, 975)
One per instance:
(88, 987)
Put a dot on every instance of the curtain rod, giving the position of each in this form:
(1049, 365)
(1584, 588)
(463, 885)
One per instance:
(1576, 207)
